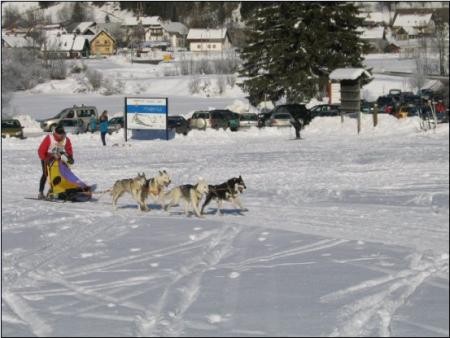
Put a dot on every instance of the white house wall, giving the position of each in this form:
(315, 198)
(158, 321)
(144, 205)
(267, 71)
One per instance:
(203, 46)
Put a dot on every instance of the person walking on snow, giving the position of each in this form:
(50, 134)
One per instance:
(103, 126)
(49, 149)
(297, 126)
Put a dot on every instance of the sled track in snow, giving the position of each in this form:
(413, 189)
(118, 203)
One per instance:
(166, 318)
(371, 315)
(55, 247)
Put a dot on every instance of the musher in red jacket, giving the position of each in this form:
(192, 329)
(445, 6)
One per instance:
(51, 147)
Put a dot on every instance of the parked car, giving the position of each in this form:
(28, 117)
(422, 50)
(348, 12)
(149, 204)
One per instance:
(115, 124)
(426, 94)
(72, 126)
(409, 98)
(297, 111)
(12, 128)
(200, 120)
(442, 116)
(367, 107)
(395, 94)
(224, 118)
(413, 110)
(385, 104)
(325, 110)
(248, 120)
(279, 120)
(83, 113)
(178, 123)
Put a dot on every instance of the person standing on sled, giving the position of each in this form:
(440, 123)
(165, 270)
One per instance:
(48, 150)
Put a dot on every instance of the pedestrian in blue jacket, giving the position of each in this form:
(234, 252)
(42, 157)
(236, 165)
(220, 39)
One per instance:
(103, 126)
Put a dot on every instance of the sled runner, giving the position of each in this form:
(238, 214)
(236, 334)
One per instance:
(64, 185)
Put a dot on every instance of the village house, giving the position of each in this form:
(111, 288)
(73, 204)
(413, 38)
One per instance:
(11, 41)
(412, 25)
(152, 27)
(372, 19)
(375, 37)
(67, 46)
(103, 44)
(83, 28)
(175, 33)
(392, 48)
(201, 40)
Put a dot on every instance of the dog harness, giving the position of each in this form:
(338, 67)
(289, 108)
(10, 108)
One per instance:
(154, 190)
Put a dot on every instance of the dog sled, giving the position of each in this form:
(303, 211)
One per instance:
(65, 185)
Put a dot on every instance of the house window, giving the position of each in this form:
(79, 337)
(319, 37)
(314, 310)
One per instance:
(214, 46)
(199, 46)
(209, 46)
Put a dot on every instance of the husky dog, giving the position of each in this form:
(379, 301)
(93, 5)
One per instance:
(191, 194)
(134, 186)
(228, 191)
(155, 186)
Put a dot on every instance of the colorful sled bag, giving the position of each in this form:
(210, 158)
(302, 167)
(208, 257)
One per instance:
(65, 185)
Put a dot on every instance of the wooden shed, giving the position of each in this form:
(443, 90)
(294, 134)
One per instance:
(103, 44)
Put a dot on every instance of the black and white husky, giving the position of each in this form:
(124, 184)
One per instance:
(228, 191)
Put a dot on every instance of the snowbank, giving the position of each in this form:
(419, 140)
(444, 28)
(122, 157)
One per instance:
(30, 124)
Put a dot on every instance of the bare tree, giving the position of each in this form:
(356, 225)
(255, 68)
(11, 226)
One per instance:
(139, 33)
(440, 41)
(95, 78)
(34, 21)
(65, 13)
(419, 79)
(11, 17)
(57, 69)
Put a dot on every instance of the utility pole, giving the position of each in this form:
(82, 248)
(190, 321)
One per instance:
(139, 10)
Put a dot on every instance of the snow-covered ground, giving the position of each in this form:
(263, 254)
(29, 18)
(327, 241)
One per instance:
(345, 234)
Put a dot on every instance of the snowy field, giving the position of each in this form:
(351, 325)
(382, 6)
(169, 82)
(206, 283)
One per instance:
(345, 234)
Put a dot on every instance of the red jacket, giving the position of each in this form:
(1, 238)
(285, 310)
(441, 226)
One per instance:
(440, 108)
(49, 142)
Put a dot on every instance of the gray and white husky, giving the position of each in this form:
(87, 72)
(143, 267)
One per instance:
(191, 194)
(135, 186)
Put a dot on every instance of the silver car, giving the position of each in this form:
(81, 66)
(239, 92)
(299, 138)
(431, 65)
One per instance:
(279, 120)
(200, 120)
(76, 113)
(248, 120)
(72, 126)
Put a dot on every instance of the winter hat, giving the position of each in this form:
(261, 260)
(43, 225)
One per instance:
(60, 130)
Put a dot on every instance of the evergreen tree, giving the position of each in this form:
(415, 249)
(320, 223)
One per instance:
(174, 14)
(292, 47)
(78, 12)
(46, 4)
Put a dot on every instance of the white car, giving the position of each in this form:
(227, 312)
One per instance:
(248, 120)
(279, 120)
(72, 126)
(200, 120)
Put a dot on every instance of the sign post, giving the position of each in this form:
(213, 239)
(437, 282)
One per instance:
(146, 115)
(351, 81)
